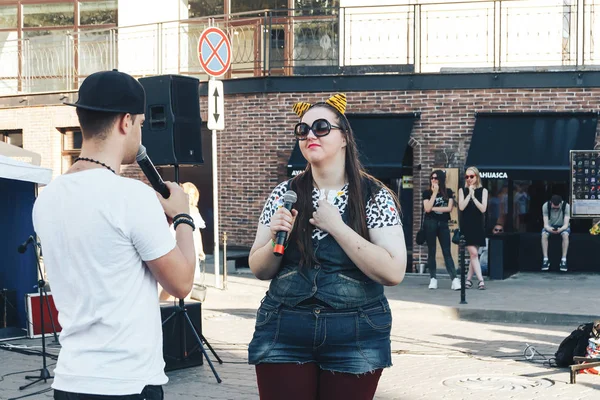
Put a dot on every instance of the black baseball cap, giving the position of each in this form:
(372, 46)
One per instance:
(556, 199)
(111, 91)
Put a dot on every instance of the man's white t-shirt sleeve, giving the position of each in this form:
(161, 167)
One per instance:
(150, 232)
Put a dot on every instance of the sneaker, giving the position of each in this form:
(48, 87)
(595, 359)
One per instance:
(545, 265)
(455, 284)
(563, 266)
(433, 283)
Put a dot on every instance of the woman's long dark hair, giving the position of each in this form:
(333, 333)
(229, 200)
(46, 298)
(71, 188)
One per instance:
(441, 175)
(357, 177)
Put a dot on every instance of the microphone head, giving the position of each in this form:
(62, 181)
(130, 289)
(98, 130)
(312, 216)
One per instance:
(141, 154)
(21, 249)
(290, 197)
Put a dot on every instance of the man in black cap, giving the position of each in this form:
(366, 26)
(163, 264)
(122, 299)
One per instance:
(555, 214)
(106, 244)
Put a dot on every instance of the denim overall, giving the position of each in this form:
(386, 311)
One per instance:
(347, 329)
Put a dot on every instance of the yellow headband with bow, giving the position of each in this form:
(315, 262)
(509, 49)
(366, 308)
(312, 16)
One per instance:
(337, 101)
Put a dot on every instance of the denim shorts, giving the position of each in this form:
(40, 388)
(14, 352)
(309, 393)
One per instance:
(354, 341)
(565, 232)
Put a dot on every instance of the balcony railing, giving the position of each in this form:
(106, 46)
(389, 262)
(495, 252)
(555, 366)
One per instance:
(473, 36)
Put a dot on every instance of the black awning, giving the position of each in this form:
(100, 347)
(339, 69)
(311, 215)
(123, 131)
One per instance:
(381, 140)
(529, 145)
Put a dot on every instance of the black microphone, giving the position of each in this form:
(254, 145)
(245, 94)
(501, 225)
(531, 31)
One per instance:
(22, 247)
(289, 198)
(151, 173)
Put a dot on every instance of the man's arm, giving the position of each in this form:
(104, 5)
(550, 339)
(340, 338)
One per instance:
(545, 212)
(172, 264)
(546, 226)
(566, 218)
(175, 270)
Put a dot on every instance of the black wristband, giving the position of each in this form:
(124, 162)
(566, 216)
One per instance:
(183, 220)
(182, 215)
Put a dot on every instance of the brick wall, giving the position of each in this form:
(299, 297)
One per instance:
(254, 149)
(257, 142)
(41, 133)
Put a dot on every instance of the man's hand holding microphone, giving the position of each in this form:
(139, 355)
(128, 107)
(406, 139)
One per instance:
(171, 196)
(175, 270)
(177, 203)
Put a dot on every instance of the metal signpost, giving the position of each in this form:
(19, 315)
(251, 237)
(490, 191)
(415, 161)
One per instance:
(214, 52)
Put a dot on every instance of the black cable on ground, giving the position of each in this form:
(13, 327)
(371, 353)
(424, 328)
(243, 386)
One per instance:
(31, 394)
(27, 352)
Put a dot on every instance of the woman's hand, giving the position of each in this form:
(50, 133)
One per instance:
(282, 220)
(471, 191)
(435, 187)
(327, 217)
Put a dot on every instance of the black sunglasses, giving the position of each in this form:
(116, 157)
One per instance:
(321, 127)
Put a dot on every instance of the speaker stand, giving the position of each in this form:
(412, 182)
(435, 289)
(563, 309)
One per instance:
(182, 318)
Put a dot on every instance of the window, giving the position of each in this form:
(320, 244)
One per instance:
(71, 146)
(277, 38)
(528, 198)
(516, 205)
(205, 8)
(238, 6)
(50, 55)
(316, 7)
(98, 13)
(8, 17)
(14, 137)
(497, 210)
(37, 33)
(54, 14)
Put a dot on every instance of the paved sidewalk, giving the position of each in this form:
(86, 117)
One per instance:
(546, 298)
(436, 354)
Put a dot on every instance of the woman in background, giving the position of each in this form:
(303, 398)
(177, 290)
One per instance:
(472, 202)
(194, 197)
(438, 202)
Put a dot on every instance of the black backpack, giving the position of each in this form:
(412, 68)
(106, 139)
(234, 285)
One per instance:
(574, 345)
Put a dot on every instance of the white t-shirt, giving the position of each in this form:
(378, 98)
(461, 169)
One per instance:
(96, 228)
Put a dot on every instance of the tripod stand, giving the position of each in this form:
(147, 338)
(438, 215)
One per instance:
(182, 317)
(44, 373)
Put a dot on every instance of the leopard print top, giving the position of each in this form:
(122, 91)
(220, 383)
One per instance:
(380, 213)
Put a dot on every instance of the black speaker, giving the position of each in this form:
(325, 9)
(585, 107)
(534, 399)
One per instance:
(180, 348)
(171, 132)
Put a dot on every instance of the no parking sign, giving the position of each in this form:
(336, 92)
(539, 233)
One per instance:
(214, 51)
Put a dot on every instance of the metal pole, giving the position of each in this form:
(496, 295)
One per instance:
(461, 262)
(216, 206)
(224, 260)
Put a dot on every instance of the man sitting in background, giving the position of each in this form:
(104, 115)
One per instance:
(556, 222)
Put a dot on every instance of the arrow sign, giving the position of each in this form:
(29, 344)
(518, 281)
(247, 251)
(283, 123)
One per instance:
(216, 106)
(216, 97)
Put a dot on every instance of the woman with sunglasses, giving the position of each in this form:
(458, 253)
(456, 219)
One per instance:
(438, 202)
(472, 202)
(323, 329)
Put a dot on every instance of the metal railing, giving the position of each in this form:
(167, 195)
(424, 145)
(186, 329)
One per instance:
(494, 35)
